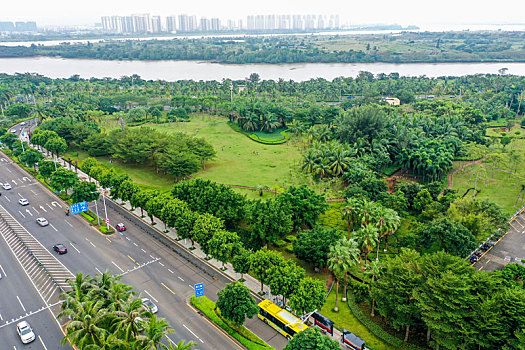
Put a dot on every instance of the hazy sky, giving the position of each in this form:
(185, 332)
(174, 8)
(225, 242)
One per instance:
(419, 12)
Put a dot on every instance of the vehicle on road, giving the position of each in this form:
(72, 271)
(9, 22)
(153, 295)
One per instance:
(280, 319)
(13, 131)
(23, 123)
(23, 201)
(6, 186)
(25, 332)
(42, 222)
(148, 304)
(121, 227)
(60, 248)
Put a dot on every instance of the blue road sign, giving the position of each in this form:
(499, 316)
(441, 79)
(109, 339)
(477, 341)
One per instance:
(199, 290)
(79, 207)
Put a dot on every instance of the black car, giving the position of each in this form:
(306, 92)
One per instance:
(60, 248)
(121, 227)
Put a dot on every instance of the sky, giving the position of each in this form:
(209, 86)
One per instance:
(404, 12)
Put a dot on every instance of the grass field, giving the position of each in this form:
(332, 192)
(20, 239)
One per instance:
(496, 185)
(345, 319)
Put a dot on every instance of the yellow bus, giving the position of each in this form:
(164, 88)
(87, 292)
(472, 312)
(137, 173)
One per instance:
(279, 319)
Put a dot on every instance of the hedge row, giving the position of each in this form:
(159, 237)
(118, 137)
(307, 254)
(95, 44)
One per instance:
(256, 138)
(375, 328)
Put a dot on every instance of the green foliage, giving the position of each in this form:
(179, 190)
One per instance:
(84, 191)
(205, 227)
(304, 204)
(280, 243)
(46, 168)
(313, 245)
(443, 234)
(285, 278)
(57, 145)
(63, 179)
(310, 295)
(260, 261)
(269, 220)
(236, 303)
(224, 245)
(205, 196)
(243, 335)
(31, 157)
(312, 339)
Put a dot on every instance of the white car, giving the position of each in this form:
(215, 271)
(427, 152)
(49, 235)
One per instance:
(42, 222)
(13, 130)
(6, 186)
(23, 201)
(148, 304)
(25, 332)
(23, 123)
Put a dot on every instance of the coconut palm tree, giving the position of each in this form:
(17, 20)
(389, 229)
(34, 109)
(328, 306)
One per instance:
(352, 248)
(126, 318)
(87, 325)
(155, 329)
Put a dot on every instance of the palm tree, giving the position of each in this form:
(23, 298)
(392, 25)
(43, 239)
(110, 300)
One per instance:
(367, 237)
(352, 248)
(86, 327)
(339, 262)
(182, 345)
(388, 223)
(154, 332)
(81, 286)
(372, 270)
(126, 318)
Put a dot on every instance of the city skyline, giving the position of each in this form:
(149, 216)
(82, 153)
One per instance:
(184, 23)
(404, 12)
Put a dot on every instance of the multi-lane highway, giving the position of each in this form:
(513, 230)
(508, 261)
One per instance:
(166, 280)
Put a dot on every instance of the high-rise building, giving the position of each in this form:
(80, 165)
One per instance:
(171, 24)
(156, 26)
(269, 22)
(215, 24)
(250, 23)
(141, 23)
(205, 25)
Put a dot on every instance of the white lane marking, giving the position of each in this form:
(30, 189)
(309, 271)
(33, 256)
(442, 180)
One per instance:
(128, 238)
(45, 348)
(50, 207)
(191, 286)
(10, 172)
(161, 264)
(8, 199)
(36, 194)
(96, 268)
(143, 250)
(5, 274)
(71, 243)
(151, 296)
(36, 211)
(135, 244)
(54, 228)
(14, 182)
(22, 214)
(152, 256)
(94, 246)
(20, 195)
(44, 209)
(192, 332)
(67, 222)
(118, 267)
(55, 203)
(170, 271)
(23, 307)
(181, 279)
(27, 210)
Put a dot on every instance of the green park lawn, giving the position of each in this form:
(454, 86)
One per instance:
(235, 162)
(498, 186)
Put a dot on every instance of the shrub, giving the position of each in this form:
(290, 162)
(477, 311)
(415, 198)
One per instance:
(105, 231)
(290, 238)
(289, 248)
(280, 243)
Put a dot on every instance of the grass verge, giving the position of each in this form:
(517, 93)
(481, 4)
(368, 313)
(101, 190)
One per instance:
(243, 335)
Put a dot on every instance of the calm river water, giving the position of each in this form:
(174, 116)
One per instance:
(181, 70)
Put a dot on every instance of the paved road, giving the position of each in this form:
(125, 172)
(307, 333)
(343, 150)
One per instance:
(18, 297)
(168, 281)
(511, 249)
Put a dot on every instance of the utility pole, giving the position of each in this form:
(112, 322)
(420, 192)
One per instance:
(231, 92)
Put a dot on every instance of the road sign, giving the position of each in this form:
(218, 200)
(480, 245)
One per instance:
(199, 290)
(79, 207)
(107, 221)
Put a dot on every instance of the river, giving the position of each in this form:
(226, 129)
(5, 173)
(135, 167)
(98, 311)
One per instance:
(181, 70)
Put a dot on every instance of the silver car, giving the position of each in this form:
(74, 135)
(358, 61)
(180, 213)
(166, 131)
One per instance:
(6, 186)
(42, 222)
(23, 201)
(148, 304)
(25, 332)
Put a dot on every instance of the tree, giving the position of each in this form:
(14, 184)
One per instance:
(340, 259)
(206, 226)
(8, 139)
(241, 262)
(141, 198)
(224, 245)
(155, 329)
(452, 237)
(285, 278)
(202, 149)
(313, 245)
(260, 261)
(352, 249)
(46, 168)
(269, 220)
(304, 204)
(308, 296)
(31, 157)
(155, 204)
(422, 199)
(63, 179)
(236, 303)
(57, 145)
(84, 191)
(127, 189)
(312, 339)
(367, 237)
(505, 141)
